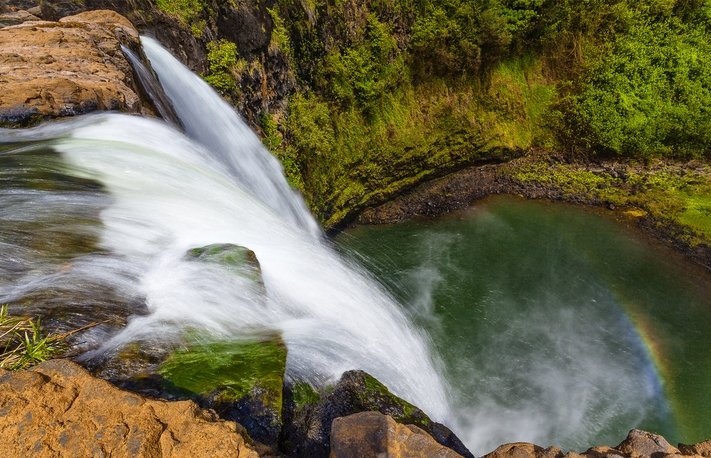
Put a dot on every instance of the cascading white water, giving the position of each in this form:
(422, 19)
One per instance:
(170, 192)
(213, 123)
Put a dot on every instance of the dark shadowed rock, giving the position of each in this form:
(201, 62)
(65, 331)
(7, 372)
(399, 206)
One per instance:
(309, 423)
(374, 434)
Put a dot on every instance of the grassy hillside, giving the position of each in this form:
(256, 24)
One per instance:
(387, 93)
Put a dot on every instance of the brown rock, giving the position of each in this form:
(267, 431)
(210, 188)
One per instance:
(59, 409)
(525, 450)
(701, 449)
(374, 434)
(16, 17)
(74, 66)
(603, 452)
(643, 444)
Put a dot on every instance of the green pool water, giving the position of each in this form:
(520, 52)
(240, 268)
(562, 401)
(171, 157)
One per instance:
(554, 324)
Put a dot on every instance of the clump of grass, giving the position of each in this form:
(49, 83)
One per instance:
(22, 342)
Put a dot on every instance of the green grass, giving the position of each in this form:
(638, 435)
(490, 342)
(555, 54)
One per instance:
(22, 342)
(696, 214)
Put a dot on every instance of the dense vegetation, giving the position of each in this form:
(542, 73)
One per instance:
(390, 92)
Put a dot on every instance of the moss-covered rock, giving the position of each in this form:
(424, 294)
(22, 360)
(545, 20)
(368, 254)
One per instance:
(241, 380)
(237, 259)
(309, 415)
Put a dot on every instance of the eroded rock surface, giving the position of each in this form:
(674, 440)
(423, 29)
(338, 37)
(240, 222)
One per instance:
(70, 67)
(375, 434)
(58, 409)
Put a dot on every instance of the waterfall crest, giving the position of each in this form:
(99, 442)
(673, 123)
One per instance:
(163, 192)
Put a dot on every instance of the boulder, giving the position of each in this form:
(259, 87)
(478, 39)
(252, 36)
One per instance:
(65, 68)
(644, 444)
(58, 409)
(237, 259)
(309, 418)
(375, 434)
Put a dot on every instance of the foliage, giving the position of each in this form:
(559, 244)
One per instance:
(22, 342)
(455, 36)
(395, 91)
(280, 36)
(223, 60)
(651, 95)
(273, 139)
(189, 12)
(360, 74)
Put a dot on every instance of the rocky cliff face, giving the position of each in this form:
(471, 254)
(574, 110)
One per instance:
(65, 68)
(189, 29)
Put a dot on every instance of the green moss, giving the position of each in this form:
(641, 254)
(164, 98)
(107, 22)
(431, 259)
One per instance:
(304, 394)
(234, 367)
(350, 158)
(697, 213)
(237, 259)
(189, 12)
(669, 193)
(273, 139)
(410, 414)
(280, 38)
(224, 64)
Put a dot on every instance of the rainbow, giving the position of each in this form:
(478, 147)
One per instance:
(657, 355)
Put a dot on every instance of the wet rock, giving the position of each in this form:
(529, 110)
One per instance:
(57, 408)
(66, 68)
(241, 381)
(237, 259)
(644, 444)
(309, 425)
(375, 434)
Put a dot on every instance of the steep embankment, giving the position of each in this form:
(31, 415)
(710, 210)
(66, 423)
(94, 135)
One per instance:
(363, 101)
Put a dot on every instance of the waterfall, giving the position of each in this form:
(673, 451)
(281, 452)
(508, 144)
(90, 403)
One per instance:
(213, 123)
(161, 192)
